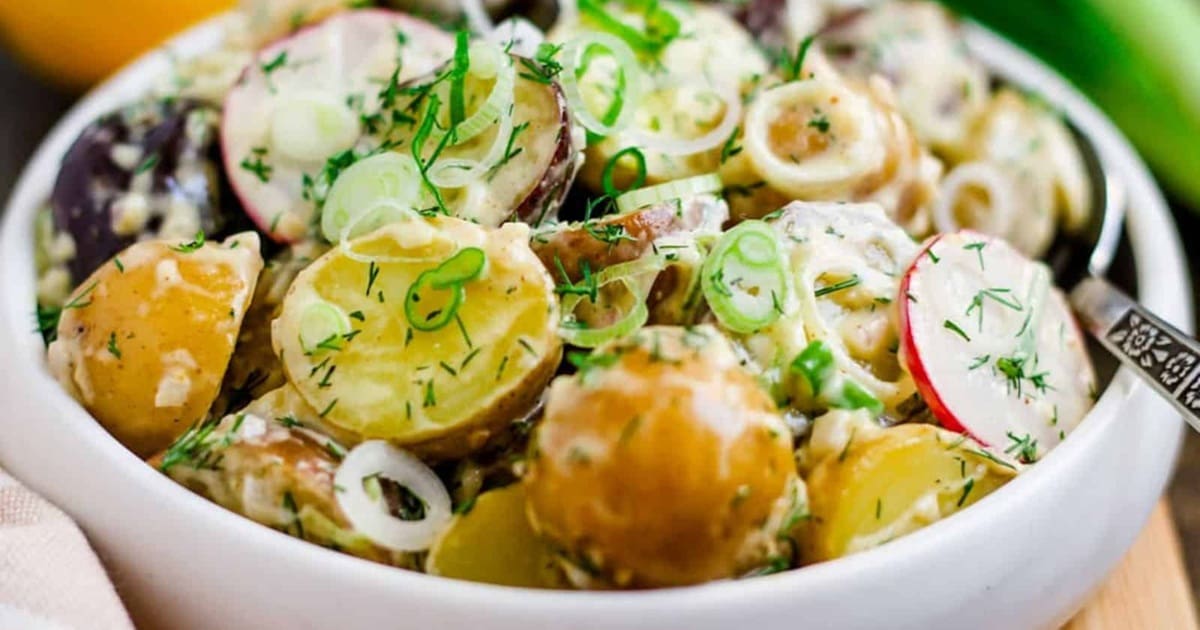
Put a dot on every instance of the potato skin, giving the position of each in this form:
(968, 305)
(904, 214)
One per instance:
(668, 229)
(573, 244)
(146, 343)
(259, 464)
(392, 383)
(254, 370)
(175, 159)
(663, 465)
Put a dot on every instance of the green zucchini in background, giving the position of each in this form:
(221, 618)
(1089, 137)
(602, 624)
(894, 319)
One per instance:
(1139, 60)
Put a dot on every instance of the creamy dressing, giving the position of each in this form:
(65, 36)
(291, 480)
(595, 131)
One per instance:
(846, 261)
(175, 385)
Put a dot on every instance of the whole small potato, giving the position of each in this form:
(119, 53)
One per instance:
(870, 485)
(143, 343)
(661, 463)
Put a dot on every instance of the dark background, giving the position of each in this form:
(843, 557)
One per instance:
(28, 109)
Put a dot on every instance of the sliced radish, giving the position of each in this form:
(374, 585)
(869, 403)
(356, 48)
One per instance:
(311, 96)
(992, 345)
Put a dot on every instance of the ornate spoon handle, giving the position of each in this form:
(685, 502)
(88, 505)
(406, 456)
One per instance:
(1166, 359)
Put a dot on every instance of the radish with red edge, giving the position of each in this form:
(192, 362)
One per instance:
(305, 101)
(992, 345)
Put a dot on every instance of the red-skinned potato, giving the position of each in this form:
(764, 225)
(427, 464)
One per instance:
(266, 464)
(667, 230)
(543, 153)
(302, 101)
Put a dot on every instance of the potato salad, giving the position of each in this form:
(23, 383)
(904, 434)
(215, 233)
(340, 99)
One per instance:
(601, 294)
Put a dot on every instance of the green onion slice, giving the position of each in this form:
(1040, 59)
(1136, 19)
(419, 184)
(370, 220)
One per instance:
(677, 189)
(627, 92)
(458, 77)
(465, 265)
(373, 192)
(623, 287)
(745, 280)
(815, 364)
(606, 177)
(486, 60)
(661, 26)
(422, 306)
(322, 325)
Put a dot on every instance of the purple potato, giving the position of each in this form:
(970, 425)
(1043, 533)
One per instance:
(146, 170)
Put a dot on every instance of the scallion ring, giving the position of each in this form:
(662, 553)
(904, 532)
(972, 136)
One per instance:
(746, 292)
(714, 138)
(626, 65)
(606, 177)
(486, 59)
(677, 189)
(374, 191)
(635, 278)
(322, 325)
(662, 27)
(815, 364)
(369, 514)
(458, 172)
(465, 265)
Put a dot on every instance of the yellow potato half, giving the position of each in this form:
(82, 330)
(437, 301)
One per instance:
(143, 343)
(886, 483)
(348, 345)
(494, 543)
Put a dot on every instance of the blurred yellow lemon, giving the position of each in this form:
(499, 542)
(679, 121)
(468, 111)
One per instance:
(78, 42)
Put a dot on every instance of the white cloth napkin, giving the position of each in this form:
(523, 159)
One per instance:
(50, 579)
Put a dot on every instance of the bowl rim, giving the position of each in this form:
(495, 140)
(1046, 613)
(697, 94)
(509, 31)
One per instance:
(1162, 279)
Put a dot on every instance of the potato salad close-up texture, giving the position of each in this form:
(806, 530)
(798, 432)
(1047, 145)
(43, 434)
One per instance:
(611, 294)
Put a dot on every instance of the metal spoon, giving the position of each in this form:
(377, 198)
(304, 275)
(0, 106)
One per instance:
(1164, 357)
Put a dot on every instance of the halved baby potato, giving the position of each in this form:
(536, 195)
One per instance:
(871, 485)
(266, 466)
(494, 543)
(143, 342)
(432, 334)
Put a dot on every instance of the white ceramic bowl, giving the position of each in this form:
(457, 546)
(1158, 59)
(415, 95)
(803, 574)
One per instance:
(1025, 557)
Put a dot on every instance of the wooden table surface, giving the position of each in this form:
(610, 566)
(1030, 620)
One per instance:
(1150, 589)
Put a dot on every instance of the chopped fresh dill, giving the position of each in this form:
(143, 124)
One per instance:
(112, 345)
(852, 281)
(956, 329)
